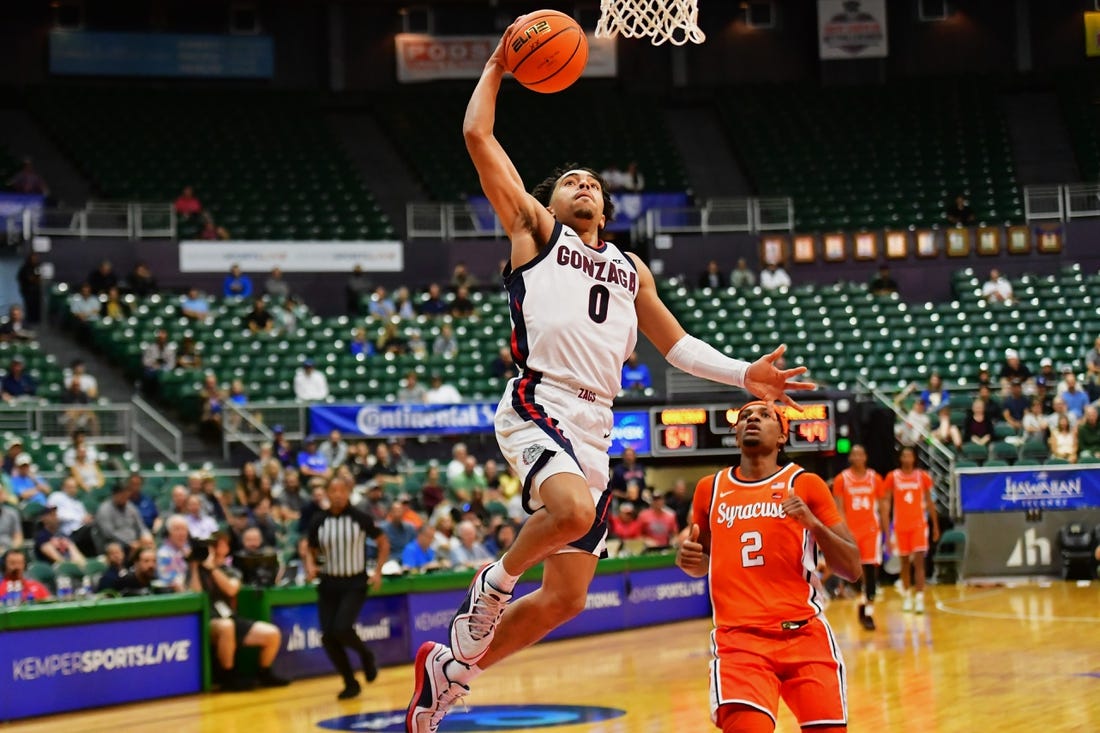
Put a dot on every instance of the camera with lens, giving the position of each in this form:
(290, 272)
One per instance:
(200, 550)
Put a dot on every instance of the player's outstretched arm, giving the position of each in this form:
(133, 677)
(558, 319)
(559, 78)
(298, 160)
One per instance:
(527, 223)
(693, 356)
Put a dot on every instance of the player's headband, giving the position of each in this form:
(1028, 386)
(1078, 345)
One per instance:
(779, 416)
(574, 172)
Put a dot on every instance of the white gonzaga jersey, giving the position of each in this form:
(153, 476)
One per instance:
(573, 316)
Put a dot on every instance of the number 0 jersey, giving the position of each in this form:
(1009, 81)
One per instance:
(761, 560)
(573, 316)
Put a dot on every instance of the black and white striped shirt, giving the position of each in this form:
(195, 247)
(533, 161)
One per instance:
(342, 539)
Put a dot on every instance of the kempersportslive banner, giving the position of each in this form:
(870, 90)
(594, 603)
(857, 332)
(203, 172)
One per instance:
(50, 670)
(1052, 488)
(422, 57)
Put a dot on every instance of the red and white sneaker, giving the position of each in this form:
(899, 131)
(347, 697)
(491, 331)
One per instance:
(435, 693)
(475, 622)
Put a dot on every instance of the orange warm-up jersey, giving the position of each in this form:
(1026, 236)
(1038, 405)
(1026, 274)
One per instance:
(909, 490)
(860, 496)
(761, 560)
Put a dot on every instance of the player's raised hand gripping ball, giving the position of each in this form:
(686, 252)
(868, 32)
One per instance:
(546, 52)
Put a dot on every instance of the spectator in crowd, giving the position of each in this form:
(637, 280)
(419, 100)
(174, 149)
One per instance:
(375, 504)
(1046, 371)
(237, 284)
(504, 366)
(84, 306)
(997, 289)
(457, 464)
(411, 391)
(27, 180)
(238, 521)
(464, 484)
(311, 462)
(711, 277)
(1058, 409)
(14, 327)
(632, 178)
(103, 278)
(12, 449)
(310, 384)
(1063, 440)
(115, 556)
(76, 418)
(1092, 370)
(741, 277)
(335, 449)
(187, 204)
(625, 523)
(11, 524)
(213, 403)
(1044, 395)
(280, 446)
(629, 471)
(461, 277)
(188, 357)
(360, 345)
(945, 431)
(883, 283)
(29, 278)
(264, 521)
(248, 483)
(934, 395)
(658, 522)
(420, 554)
(445, 344)
(402, 304)
(259, 319)
(119, 520)
(213, 501)
(172, 554)
(979, 424)
(434, 305)
(469, 552)
(140, 576)
(200, 524)
(501, 540)
(1015, 405)
(26, 484)
(1012, 370)
(431, 491)
(158, 357)
(992, 406)
(916, 422)
(462, 306)
(381, 305)
(78, 379)
(385, 470)
(17, 385)
(1088, 434)
(86, 474)
(391, 340)
(194, 305)
(398, 531)
(275, 286)
(441, 393)
(140, 281)
(445, 540)
(211, 231)
(774, 277)
(287, 315)
(114, 306)
(415, 344)
(356, 287)
(959, 213)
(1076, 399)
(1035, 422)
(636, 376)
(50, 545)
(228, 631)
(79, 440)
(71, 512)
(15, 569)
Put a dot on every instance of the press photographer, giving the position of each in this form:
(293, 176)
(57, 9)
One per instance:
(258, 565)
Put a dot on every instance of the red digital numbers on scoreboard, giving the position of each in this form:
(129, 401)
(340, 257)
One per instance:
(816, 431)
(677, 437)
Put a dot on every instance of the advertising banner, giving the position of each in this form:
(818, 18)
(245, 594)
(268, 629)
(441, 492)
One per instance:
(421, 57)
(292, 256)
(388, 420)
(382, 624)
(51, 670)
(630, 430)
(13, 204)
(87, 53)
(662, 595)
(999, 544)
(1049, 487)
(851, 29)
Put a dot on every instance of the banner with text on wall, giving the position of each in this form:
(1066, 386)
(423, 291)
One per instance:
(1050, 488)
(421, 57)
(93, 53)
(851, 29)
(292, 256)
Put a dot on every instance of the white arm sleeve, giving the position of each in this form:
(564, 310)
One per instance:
(702, 360)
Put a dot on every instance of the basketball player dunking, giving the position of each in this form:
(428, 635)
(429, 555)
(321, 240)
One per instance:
(861, 497)
(756, 529)
(576, 303)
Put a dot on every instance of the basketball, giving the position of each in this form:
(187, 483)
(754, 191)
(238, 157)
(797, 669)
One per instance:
(548, 52)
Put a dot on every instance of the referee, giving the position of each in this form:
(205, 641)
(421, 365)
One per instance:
(339, 534)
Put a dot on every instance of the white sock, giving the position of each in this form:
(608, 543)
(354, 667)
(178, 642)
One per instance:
(458, 672)
(499, 578)
(869, 609)
(920, 596)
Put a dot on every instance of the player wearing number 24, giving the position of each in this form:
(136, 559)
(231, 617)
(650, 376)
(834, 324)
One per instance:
(756, 531)
(577, 303)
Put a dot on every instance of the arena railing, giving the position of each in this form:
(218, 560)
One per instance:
(252, 424)
(452, 221)
(133, 220)
(156, 430)
(1062, 202)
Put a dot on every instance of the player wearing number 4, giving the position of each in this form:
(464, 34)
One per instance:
(756, 531)
(576, 303)
(910, 490)
(861, 498)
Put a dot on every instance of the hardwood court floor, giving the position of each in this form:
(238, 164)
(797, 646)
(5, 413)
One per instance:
(985, 659)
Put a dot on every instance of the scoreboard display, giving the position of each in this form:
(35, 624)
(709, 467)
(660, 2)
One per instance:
(708, 429)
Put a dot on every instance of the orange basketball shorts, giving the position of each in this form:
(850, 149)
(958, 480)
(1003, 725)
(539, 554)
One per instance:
(757, 667)
(911, 539)
(870, 546)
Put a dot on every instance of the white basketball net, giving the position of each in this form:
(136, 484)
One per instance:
(675, 21)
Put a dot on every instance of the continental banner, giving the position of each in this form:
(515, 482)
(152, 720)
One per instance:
(421, 57)
(852, 29)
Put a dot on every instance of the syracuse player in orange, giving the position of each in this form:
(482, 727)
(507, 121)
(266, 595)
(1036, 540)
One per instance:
(910, 492)
(756, 531)
(861, 496)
